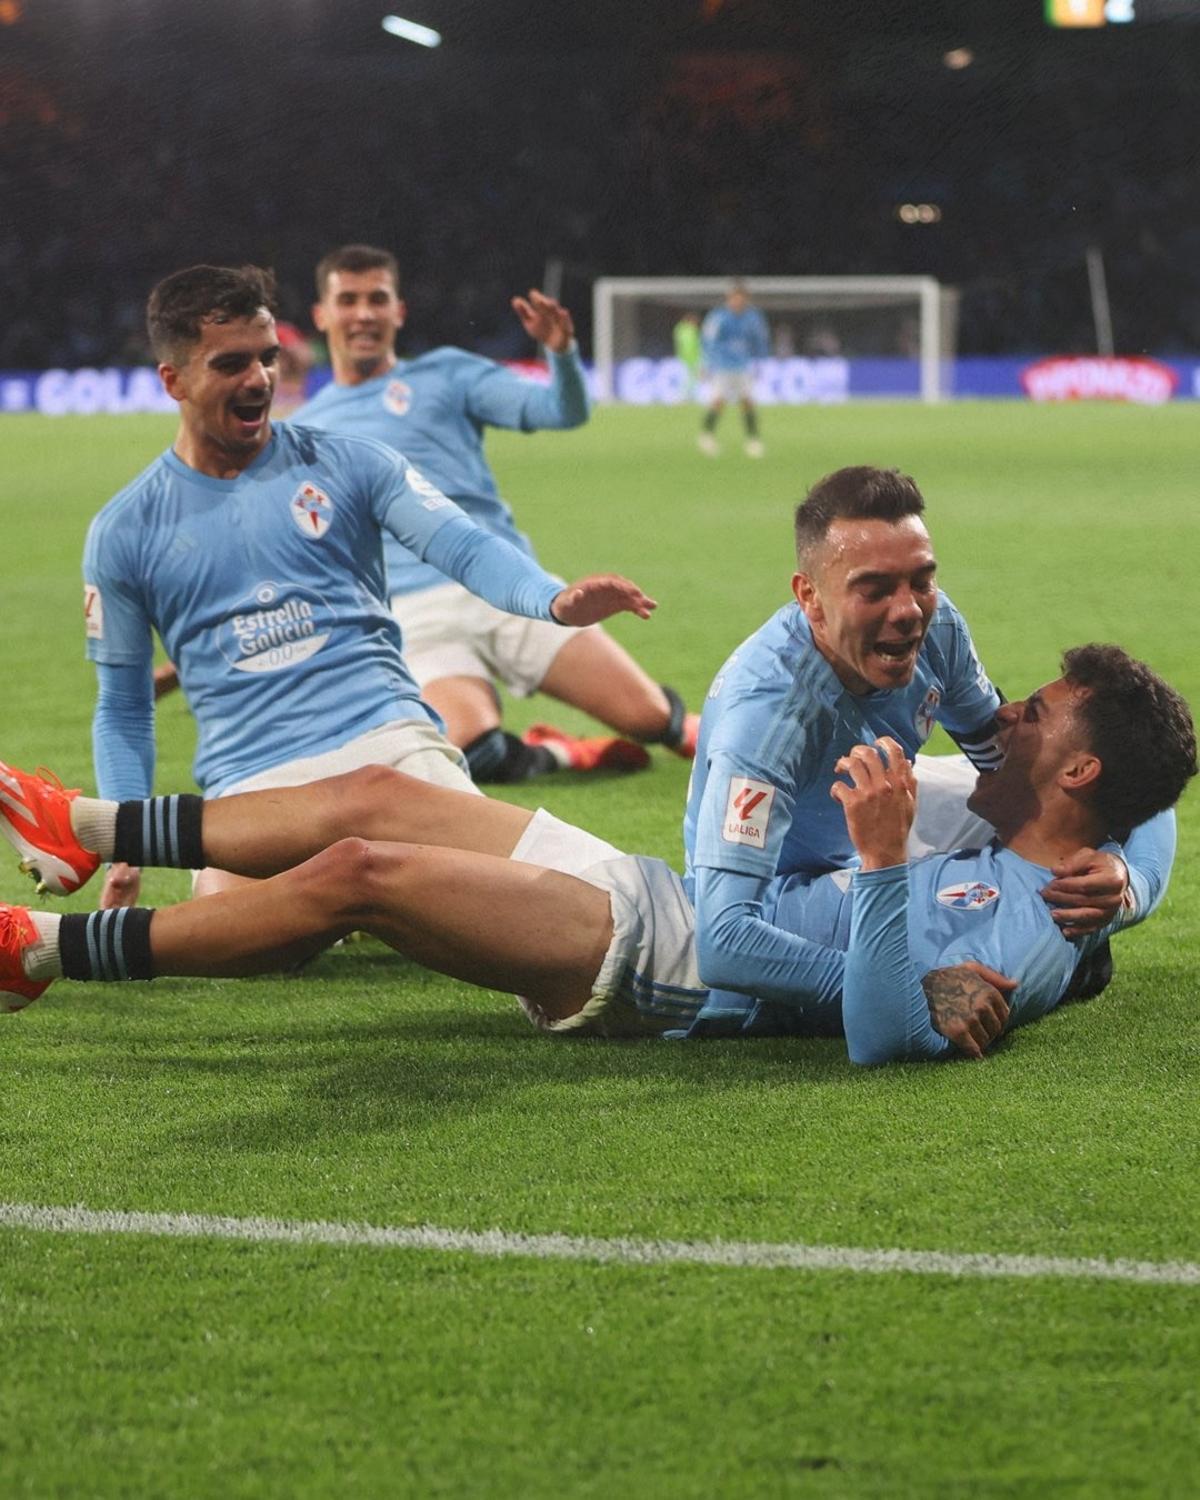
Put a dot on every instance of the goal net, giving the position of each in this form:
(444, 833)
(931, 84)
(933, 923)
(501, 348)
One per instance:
(901, 330)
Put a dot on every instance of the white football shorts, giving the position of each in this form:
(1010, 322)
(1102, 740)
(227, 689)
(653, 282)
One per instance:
(648, 982)
(410, 745)
(732, 385)
(450, 632)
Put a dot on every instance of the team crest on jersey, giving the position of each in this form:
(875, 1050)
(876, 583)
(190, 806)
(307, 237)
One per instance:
(93, 612)
(926, 715)
(748, 812)
(397, 397)
(312, 511)
(971, 895)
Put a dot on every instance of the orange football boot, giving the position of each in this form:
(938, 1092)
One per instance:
(35, 818)
(17, 933)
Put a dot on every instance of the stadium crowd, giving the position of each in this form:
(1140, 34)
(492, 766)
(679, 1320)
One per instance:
(679, 161)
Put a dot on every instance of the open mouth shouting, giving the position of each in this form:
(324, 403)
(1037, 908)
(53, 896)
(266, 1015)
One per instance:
(898, 655)
(250, 417)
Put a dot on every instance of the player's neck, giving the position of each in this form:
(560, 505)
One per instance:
(202, 453)
(358, 372)
(1052, 835)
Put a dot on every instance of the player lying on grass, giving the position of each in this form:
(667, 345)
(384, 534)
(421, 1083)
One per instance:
(867, 646)
(603, 943)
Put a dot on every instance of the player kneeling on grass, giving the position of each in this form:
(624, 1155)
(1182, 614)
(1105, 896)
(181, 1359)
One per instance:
(907, 958)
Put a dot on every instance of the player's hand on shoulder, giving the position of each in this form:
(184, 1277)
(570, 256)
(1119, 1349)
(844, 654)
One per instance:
(968, 1005)
(592, 599)
(545, 320)
(879, 801)
(122, 885)
(1087, 891)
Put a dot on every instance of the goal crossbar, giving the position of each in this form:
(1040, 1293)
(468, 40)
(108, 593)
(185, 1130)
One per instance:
(925, 292)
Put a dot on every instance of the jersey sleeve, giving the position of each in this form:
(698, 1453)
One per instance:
(117, 624)
(123, 732)
(738, 949)
(969, 701)
(428, 523)
(744, 815)
(1149, 853)
(884, 1010)
(496, 397)
(761, 340)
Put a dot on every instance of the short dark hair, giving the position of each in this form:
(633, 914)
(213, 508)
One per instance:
(181, 303)
(860, 493)
(1140, 728)
(356, 258)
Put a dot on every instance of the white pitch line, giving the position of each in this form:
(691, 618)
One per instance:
(735, 1254)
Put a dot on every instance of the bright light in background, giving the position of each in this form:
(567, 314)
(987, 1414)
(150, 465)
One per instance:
(919, 213)
(958, 58)
(424, 36)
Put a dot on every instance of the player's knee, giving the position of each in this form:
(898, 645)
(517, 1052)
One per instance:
(337, 879)
(372, 785)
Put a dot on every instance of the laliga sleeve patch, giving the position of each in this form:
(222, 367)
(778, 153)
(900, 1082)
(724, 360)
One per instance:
(748, 812)
(971, 895)
(432, 497)
(93, 612)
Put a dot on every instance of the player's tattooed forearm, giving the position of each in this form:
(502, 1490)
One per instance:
(953, 994)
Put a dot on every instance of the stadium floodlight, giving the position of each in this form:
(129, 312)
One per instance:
(412, 31)
(865, 317)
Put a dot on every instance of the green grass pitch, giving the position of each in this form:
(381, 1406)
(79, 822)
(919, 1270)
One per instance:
(366, 1091)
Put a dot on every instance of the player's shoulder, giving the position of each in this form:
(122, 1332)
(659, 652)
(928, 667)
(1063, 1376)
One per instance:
(450, 362)
(776, 674)
(133, 502)
(303, 445)
(948, 629)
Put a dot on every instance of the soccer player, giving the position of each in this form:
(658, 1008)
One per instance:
(256, 554)
(689, 349)
(435, 410)
(867, 648)
(908, 959)
(733, 336)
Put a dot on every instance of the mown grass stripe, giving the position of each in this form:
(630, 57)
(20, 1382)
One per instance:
(734, 1254)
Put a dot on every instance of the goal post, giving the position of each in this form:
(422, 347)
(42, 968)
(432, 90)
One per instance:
(874, 317)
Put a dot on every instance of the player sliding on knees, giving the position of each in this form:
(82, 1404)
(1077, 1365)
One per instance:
(908, 958)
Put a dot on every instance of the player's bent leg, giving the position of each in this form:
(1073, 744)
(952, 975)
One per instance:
(261, 833)
(492, 922)
(593, 672)
(263, 927)
(467, 706)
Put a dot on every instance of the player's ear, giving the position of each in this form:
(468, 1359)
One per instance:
(806, 596)
(320, 323)
(170, 375)
(401, 312)
(1081, 772)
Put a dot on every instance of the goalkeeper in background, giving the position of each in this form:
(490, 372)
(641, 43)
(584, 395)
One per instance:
(733, 337)
(689, 350)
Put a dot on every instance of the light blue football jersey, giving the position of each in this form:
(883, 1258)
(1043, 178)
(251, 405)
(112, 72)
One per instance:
(268, 592)
(434, 409)
(891, 927)
(777, 719)
(732, 341)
